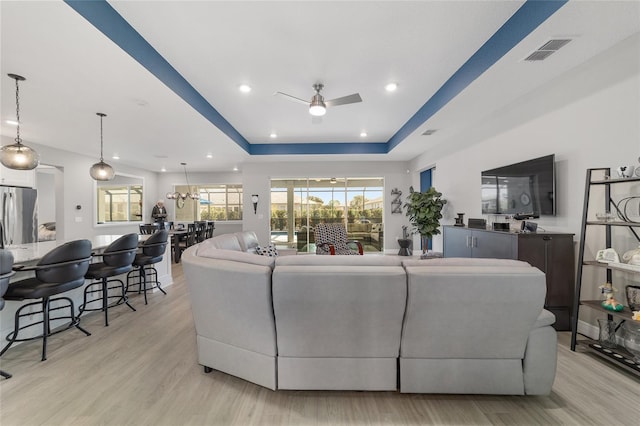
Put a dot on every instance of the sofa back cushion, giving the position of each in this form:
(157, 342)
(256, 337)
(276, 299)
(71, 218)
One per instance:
(223, 241)
(471, 311)
(339, 311)
(248, 241)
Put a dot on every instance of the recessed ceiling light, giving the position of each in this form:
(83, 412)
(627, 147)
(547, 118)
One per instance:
(235, 168)
(273, 135)
(363, 134)
(12, 122)
(163, 169)
(244, 88)
(391, 87)
(116, 157)
(209, 155)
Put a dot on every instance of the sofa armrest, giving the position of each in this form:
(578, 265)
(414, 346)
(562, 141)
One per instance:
(540, 356)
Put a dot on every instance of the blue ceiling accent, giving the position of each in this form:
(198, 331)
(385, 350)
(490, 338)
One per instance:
(522, 23)
(526, 19)
(319, 148)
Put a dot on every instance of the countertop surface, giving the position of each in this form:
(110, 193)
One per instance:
(30, 252)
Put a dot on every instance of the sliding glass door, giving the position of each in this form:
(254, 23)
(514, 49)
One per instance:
(298, 205)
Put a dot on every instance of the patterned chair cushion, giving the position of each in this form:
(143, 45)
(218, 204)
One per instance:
(335, 234)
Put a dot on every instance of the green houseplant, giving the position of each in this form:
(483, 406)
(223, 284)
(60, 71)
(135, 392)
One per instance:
(424, 210)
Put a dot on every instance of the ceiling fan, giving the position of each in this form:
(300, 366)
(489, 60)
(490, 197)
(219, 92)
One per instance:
(317, 105)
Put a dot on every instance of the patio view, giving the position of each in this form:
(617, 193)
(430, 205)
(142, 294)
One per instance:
(298, 205)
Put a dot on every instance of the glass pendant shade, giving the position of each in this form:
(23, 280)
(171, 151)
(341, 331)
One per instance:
(102, 171)
(18, 156)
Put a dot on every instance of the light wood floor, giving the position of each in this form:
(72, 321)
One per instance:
(142, 369)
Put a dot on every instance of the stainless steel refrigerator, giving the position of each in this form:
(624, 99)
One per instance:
(19, 215)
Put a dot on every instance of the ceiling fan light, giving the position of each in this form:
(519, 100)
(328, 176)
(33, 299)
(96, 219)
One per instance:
(317, 108)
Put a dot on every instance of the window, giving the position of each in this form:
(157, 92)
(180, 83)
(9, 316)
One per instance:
(119, 200)
(217, 203)
(297, 205)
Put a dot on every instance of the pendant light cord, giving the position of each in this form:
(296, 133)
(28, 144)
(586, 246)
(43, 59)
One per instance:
(101, 159)
(18, 140)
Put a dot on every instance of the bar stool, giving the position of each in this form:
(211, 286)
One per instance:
(152, 251)
(117, 259)
(60, 270)
(6, 262)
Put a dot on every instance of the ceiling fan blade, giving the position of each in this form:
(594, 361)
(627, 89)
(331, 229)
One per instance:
(349, 99)
(292, 98)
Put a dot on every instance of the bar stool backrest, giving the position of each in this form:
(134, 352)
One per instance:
(125, 248)
(156, 243)
(69, 262)
(6, 263)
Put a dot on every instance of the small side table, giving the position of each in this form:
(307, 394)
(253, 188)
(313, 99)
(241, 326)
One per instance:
(404, 243)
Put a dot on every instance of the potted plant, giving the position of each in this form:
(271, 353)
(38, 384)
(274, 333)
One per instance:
(424, 210)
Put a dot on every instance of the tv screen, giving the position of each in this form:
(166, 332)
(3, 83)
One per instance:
(526, 188)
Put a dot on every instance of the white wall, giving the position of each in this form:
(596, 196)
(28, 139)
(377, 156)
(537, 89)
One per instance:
(589, 118)
(256, 180)
(77, 189)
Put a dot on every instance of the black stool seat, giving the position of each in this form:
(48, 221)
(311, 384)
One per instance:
(100, 270)
(152, 252)
(33, 288)
(60, 270)
(117, 259)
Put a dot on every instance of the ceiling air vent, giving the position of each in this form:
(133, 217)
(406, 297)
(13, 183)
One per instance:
(547, 49)
(429, 132)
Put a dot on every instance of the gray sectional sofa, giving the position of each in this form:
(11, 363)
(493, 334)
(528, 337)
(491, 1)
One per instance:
(472, 326)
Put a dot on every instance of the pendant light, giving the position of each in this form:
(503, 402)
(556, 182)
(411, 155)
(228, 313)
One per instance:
(18, 156)
(101, 170)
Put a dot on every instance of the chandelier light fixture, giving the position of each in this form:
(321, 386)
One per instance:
(101, 170)
(183, 196)
(18, 156)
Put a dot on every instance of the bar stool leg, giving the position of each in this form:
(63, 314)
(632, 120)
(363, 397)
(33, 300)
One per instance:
(45, 326)
(105, 298)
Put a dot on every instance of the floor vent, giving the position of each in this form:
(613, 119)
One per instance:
(544, 51)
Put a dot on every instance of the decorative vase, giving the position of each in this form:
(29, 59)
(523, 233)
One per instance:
(607, 335)
(632, 339)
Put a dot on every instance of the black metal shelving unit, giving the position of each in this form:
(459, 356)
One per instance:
(618, 355)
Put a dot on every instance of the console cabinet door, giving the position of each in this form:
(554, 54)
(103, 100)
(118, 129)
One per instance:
(456, 242)
(553, 254)
(493, 245)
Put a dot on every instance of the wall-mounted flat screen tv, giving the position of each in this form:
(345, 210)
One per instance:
(526, 188)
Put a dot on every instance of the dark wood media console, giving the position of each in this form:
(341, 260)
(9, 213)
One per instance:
(552, 253)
